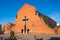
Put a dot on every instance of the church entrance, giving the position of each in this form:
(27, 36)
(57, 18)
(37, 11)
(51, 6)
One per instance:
(21, 30)
(27, 31)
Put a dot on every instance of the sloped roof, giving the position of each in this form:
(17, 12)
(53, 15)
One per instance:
(50, 22)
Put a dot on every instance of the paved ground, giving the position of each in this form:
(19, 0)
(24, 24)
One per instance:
(35, 36)
(30, 36)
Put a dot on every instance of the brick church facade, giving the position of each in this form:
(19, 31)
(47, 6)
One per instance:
(29, 20)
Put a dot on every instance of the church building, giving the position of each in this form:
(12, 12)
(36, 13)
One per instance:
(29, 20)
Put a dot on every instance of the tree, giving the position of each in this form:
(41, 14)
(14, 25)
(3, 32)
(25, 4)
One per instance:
(12, 37)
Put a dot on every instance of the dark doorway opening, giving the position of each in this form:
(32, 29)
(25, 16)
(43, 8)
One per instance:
(28, 30)
(21, 30)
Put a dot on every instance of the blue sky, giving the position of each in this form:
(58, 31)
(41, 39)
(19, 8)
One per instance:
(9, 9)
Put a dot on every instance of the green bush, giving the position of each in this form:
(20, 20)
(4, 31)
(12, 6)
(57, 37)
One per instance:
(12, 37)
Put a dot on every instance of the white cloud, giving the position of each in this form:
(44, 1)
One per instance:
(58, 24)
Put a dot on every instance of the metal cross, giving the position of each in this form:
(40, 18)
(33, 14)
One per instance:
(25, 20)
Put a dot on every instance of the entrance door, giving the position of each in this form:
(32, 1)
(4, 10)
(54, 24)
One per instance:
(21, 30)
(28, 30)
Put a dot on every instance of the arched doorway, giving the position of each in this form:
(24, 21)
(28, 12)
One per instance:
(28, 30)
(21, 30)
